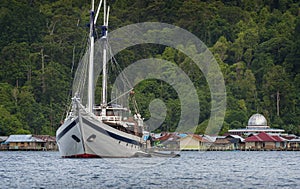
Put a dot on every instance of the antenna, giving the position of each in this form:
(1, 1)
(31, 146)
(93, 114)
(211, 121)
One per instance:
(97, 13)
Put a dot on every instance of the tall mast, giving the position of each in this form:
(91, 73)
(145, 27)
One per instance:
(91, 63)
(104, 69)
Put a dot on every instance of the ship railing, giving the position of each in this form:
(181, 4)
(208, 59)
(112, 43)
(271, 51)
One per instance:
(111, 118)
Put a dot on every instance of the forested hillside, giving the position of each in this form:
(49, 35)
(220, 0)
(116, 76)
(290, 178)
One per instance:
(256, 43)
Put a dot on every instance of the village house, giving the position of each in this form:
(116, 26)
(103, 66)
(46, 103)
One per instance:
(293, 144)
(264, 141)
(222, 143)
(28, 142)
(288, 136)
(24, 142)
(3, 138)
(3, 146)
(167, 141)
(195, 142)
(237, 142)
(50, 141)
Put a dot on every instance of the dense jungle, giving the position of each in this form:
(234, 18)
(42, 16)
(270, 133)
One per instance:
(255, 42)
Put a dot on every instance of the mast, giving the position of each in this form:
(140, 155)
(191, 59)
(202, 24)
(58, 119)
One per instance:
(91, 62)
(104, 68)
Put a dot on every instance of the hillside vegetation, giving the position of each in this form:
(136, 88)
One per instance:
(256, 43)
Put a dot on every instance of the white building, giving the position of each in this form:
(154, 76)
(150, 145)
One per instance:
(256, 124)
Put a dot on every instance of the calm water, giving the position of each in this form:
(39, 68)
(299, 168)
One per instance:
(191, 170)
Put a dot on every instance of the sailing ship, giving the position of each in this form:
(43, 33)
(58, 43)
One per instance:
(104, 130)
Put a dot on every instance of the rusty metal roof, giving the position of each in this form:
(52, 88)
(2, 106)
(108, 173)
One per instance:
(264, 137)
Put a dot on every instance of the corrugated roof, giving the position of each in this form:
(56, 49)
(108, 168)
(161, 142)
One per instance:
(46, 138)
(236, 137)
(264, 137)
(288, 136)
(197, 137)
(23, 138)
(210, 138)
(222, 141)
(3, 138)
(200, 138)
(295, 140)
(168, 136)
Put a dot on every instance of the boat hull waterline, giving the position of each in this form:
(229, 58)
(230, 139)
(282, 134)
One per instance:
(86, 136)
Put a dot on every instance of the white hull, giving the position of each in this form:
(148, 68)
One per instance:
(86, 136)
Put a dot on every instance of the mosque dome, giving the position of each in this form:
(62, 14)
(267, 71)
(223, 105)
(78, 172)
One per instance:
(257, 120)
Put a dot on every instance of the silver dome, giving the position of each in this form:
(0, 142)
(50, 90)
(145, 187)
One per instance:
(257, 120)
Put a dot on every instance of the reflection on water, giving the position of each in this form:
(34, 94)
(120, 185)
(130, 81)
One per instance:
(192, 170)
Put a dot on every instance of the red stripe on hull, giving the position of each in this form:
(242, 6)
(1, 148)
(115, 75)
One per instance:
(82, 156)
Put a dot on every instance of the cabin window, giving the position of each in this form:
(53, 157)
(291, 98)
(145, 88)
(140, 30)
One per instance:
(98, 113)
(110, 113)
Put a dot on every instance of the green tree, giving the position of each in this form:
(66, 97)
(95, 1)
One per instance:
(277, 88)
(8, 97)
(20, 22)
(221, 48)
(31, 116)
(15, 63)
(237, 119)
(9, 124)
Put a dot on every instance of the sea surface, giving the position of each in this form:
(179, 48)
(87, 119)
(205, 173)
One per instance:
(231, 169)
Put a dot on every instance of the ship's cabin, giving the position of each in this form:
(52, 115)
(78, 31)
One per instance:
(112, 112)
(120, 118)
